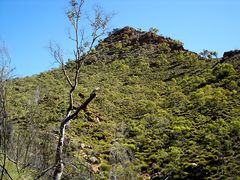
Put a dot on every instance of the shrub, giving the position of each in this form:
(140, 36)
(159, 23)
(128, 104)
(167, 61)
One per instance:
(222, 71)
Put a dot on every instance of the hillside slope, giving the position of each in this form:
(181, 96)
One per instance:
(162, 112)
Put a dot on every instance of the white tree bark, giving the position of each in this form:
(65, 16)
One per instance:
(82, 48)
(59, 152)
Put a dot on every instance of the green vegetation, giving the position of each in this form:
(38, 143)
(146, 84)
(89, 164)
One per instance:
(162, 111)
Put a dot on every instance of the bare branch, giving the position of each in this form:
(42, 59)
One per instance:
(5, 61)
(10, 159)
(98, 24)
(57, 54)
(5, 170)
(81, 50)
(81, 107)
(70, 36)
(44, 172)
(5, 71)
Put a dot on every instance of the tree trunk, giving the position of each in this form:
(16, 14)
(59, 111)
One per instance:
(59, 152)
(59, 159)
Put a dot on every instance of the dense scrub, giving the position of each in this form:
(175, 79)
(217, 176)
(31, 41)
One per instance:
(162, 111)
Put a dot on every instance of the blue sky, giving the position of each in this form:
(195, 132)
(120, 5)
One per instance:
(27, 26)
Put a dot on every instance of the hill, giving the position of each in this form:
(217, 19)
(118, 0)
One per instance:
(162, 112)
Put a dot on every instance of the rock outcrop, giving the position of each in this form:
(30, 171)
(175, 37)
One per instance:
(232, 57)
(230, 54)
(129, 36)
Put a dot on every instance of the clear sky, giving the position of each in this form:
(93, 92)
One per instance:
(27, 26)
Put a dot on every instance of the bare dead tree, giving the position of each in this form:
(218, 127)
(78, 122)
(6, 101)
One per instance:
(28, 137)
(8, 144)
(83, 46)
(5, 71)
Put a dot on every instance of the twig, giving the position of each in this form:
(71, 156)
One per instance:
(4, 169)
(44, 172)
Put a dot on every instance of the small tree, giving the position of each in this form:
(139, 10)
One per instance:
(154, 30)
(82, 47)
(208, 54)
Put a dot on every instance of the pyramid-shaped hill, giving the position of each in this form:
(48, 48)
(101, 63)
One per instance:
(128, 41)
(162, 112)
(129, 36)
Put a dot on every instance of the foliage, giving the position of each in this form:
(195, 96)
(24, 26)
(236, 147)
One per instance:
(159, 114)
(154, 30)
